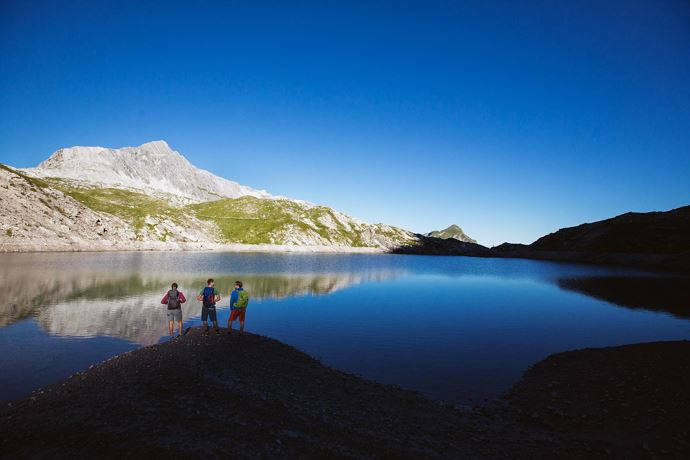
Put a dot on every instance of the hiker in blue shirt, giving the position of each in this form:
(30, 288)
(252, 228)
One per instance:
(209, 296)
(239, 299)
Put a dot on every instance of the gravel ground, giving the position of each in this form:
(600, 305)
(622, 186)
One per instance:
(624, 402)
(250, 396)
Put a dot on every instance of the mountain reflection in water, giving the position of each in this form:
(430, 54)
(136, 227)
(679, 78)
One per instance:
(658, 293)
(84, 303)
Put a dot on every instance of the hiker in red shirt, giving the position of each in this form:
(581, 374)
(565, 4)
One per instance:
(174, 300)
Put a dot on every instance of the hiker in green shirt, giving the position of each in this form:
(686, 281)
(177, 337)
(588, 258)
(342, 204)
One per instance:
(239, 299)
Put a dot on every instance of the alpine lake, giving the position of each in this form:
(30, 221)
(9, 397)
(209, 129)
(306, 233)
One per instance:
(457, 329)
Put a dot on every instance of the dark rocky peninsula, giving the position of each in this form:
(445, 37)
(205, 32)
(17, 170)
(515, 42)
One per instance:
(251, 396)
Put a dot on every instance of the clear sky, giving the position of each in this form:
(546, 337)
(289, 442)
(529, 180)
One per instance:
(511, 119)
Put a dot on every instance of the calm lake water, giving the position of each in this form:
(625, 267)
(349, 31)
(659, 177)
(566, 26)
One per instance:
(457, 329)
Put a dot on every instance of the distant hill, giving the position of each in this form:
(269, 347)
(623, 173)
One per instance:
(454, 232)
(632, 232)
(658, 240)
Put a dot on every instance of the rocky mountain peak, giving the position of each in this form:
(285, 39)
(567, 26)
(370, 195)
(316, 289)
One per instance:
(153, 167)
(158, 146)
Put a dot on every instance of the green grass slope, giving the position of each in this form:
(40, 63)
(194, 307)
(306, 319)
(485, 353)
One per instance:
(245, 220)
(130, 206)
(251, 220)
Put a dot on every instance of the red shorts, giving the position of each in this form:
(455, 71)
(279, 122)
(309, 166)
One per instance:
(238, 314)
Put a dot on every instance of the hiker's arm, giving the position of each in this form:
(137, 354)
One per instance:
(217, 298)
(182, 298)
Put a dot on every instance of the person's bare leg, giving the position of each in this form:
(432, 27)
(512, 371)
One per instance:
(215, 327)
(170, 327)
(179, 328)
(229, 326)
(241, 327)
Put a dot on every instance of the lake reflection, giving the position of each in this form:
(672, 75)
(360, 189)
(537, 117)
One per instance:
(455, 328)
(79, 302)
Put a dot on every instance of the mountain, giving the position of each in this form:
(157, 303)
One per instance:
(151, 167)
(453, 231)
(151, 197)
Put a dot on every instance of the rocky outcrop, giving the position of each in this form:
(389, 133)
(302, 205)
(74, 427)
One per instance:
(35, 216)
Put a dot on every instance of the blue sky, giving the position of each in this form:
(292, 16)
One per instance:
(511, 120)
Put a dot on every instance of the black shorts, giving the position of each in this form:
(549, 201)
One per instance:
(207, 312)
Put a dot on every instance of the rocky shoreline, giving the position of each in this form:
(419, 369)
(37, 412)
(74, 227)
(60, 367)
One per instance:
(128, 246)
(250, 396)
(678, 263)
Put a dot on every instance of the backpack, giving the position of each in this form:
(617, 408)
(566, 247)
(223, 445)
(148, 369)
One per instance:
(209, 297)
(242, 299)
(173, 299)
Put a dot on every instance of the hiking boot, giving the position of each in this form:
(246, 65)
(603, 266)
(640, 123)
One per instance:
(217, 332)
(206, 331)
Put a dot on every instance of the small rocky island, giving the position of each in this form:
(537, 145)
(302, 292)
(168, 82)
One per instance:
(250, 396)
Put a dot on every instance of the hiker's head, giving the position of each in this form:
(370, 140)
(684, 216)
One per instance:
(174, 286)
(238, 284)
(209, 282)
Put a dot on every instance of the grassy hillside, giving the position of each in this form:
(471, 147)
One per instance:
(130, 206)
(245, 220)
(251, 220)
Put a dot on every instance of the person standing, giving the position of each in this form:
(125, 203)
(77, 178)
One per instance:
(209, 296)
(239, 299)
(174, 300)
